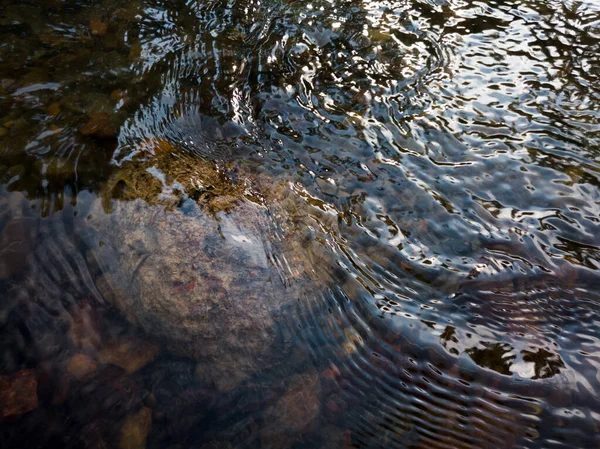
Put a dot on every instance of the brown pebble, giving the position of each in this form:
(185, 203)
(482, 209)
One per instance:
(99, 126)
(3, 131)
(98, 28)
(129, 353)
(81, 366)
(135, 429)
(53, 109)
(118, 94)
(18, 393)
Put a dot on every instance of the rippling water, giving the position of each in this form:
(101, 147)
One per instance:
(444, 159)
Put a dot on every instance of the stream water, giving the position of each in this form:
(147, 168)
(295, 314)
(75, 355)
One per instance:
(444, 162)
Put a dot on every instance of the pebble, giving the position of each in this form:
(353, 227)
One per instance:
(81, 367)
(129, 353)
(99, 125)
(135, 429)
(18, 393)
(98, 28)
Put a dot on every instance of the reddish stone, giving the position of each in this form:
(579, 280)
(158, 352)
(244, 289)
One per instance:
(331, 373)
(18, 393)
(135, 429)
(99, 126)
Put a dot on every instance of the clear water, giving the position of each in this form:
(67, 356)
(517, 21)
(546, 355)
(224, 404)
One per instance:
(444, 157)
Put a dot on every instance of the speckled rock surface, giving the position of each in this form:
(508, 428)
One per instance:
(205, 268)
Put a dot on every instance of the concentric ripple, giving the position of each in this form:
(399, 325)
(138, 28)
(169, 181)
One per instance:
(445, 160)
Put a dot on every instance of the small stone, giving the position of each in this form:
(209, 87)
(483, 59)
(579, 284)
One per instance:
(118, 95)
(98, 28)
(135, 429)
(331, 373)
(85, 326)
(81, 366)
(53, 109)
(18, 393)
(135, 52)
(99, 126)
(129, 353)
(150, 400)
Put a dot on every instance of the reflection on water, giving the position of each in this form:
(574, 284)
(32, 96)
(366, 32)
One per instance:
(285, 224)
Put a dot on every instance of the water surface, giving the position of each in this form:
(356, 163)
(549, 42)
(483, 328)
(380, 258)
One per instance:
(445, 156)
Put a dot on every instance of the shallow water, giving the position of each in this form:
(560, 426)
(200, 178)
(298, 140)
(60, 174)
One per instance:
(444, 160)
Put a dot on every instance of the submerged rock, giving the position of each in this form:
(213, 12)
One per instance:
(100, 126)
(135, 429)
(81, 366)
(128, 353)
(195, 256)
(18, 393)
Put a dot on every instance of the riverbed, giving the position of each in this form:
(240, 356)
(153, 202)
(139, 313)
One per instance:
(436, 165)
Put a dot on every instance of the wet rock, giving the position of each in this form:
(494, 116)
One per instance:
(331, 374)
(129, 353)
(118, 95)
(135, 429)
(203, 264)
(18, 393)
(81, 366)
(53, 109)
(100, 126)
(294, 414)
(98, 28)
(135, 52)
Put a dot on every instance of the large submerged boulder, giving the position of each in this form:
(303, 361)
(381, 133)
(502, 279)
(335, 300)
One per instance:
(197, 256)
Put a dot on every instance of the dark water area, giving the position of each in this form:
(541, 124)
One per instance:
(299, 224)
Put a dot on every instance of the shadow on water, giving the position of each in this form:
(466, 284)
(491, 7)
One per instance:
(285, 224)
